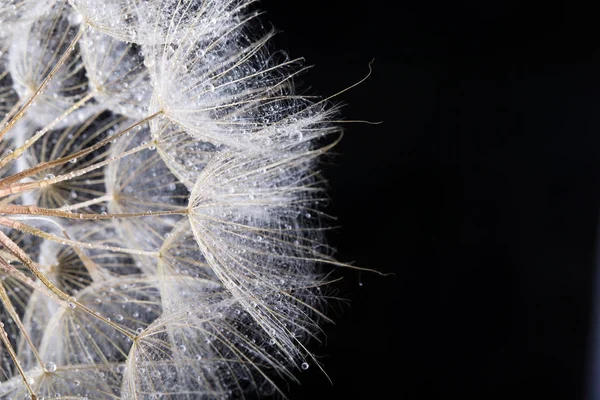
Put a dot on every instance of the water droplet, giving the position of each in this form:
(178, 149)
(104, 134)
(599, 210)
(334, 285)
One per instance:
(73, 160)
(182, 348)
(139, 331)
(304, 366)
(72, 305)
(50, 366)
(49, 176)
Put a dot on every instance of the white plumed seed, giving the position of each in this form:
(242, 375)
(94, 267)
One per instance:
(14, 13)
(34, 52)
(160, 223)
(116, 73)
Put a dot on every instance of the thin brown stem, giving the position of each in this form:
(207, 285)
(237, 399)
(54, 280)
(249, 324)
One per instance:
(13, 248)
(11, 112)
(10, 270)
(13, 313)
(10, 223)
(52, 212)
(43, 85)
(19, 151)
(23, 187)
(87, 203)
(16, 362)
(8, 185)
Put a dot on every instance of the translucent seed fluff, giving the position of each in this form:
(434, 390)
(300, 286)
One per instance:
(161, 207)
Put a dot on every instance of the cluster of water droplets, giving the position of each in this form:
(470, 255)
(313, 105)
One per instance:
(159, 203)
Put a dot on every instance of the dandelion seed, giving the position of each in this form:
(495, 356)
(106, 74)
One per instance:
(158, 165)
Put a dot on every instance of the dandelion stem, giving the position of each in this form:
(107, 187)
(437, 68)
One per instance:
(24, 258)
(88, 203)
(8, 184)
(13, 313)
(42, 85)
(74, 243)
(18, 188)
(21, 277)
(28, 143)
(13, 356)
(12, 112)
(34, 210)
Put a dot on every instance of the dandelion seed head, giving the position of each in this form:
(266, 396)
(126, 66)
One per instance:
(161, 231)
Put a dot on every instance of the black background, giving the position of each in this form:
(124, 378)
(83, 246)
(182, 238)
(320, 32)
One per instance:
(480, 191)
(383, 190)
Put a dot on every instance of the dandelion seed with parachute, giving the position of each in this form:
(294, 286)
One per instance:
(161, 230)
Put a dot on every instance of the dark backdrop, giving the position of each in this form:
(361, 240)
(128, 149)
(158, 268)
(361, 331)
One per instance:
(480, 191)
(382, 187)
